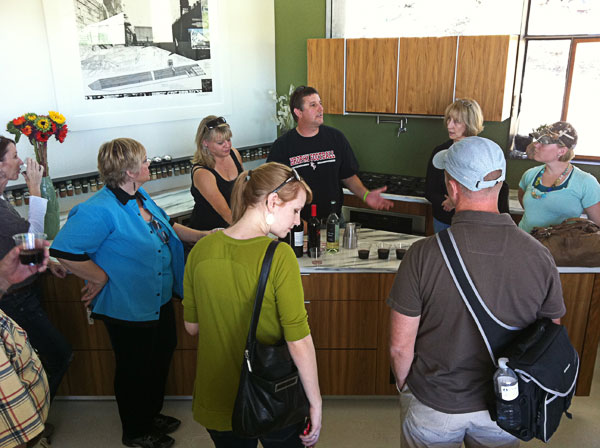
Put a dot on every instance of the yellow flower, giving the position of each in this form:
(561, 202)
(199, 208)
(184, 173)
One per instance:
(42, 123)
(30, 117)
(57, 117)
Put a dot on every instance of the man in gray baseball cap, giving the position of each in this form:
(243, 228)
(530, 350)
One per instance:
(471, 161)
(442, 367)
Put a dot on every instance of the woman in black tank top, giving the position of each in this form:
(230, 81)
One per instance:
(216, 166)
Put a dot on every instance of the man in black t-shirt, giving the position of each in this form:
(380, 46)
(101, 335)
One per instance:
(322, 156)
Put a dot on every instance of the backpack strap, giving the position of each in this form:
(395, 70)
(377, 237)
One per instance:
(495, 333)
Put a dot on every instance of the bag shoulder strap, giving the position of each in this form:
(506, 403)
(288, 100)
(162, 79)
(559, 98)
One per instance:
(495, 333)
(260, 290)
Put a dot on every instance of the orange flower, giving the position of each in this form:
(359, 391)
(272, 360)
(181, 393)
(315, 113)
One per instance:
(26, 130)
(19, 121)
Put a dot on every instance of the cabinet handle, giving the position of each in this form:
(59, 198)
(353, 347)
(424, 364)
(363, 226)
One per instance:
(306, 302)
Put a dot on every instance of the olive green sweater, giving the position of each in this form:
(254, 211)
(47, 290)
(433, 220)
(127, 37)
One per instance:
(221, 277)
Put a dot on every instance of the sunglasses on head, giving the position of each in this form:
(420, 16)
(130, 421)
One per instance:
(545, 140)
(215, 123)
(294, 176)
(162, 234)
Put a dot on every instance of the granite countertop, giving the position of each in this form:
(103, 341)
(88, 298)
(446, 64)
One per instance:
(346, 260)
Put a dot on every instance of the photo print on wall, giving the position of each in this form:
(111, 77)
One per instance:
(142, 48)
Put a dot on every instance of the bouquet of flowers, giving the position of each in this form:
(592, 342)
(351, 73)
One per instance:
(283, 117)
(39, 128)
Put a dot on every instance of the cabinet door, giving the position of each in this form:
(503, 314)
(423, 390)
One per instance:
(485, 72)
(371, 69)
(343, 323)
(351, 286)
(385, 382)
(326, 72)
(426, 75)
(347, 372)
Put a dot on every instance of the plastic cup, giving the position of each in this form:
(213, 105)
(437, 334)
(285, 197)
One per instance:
(316, 255)
(32, 247)
(383, 250)
(401, 249)
(364, 250)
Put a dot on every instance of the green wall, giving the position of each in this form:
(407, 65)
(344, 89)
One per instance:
(377, 147)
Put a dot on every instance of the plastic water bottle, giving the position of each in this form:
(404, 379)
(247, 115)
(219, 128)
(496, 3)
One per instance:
(506, 386)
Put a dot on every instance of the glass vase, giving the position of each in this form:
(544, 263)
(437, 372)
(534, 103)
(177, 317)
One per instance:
(52, 218)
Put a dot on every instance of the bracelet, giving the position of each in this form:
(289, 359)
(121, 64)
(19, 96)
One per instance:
(365, 195)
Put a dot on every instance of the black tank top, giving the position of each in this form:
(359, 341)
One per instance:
(204, 216)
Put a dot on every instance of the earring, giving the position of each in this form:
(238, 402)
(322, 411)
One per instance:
(270, 218)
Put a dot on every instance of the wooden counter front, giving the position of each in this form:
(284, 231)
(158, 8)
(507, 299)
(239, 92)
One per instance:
(349, 324)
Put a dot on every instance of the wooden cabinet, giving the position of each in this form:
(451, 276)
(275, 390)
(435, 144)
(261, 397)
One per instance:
(371, 75)
(92, 369)
(349, 322)
(343, 318)
(416, 76)
(485, 71)
(426, 75)
(326, 64)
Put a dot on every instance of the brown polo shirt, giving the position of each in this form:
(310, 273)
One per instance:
(516, 278)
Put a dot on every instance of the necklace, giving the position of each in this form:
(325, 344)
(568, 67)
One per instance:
(537, 194)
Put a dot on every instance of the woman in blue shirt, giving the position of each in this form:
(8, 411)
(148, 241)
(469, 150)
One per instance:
(131, 256)
(557, 190)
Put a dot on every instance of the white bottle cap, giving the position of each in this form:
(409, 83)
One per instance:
(502, 362)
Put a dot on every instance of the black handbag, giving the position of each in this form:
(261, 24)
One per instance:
(270, 395)
(542, 355)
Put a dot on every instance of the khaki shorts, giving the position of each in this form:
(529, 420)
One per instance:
(424, 427)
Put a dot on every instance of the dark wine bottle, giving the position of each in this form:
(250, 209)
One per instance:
(297, 239)
(314, 228)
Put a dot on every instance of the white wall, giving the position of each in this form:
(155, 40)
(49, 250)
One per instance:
(27, 85)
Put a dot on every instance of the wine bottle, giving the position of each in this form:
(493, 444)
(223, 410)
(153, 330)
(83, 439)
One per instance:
(297, 239)
(333, 231)
(314, 228)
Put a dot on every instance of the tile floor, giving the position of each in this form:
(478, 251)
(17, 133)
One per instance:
(349, 422)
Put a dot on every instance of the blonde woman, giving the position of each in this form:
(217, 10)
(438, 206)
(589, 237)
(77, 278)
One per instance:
(131, 255)
(216, 167)
(221, 276)
(463, 118)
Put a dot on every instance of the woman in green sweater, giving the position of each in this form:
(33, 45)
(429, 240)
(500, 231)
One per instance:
(220, 281)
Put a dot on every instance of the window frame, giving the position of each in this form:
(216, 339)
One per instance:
(574, 39)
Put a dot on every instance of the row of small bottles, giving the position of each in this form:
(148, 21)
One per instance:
(254, 154)
(63, 190)
(296, 236)
(170, 169)
(91, 185)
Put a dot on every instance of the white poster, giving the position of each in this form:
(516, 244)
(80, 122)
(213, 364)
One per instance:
(141, 61)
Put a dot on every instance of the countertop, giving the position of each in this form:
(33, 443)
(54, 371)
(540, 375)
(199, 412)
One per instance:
(179, 201)
(346, 260)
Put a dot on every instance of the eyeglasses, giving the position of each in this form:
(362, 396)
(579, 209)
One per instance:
(164, 236)
(295, 176)
(215, 123)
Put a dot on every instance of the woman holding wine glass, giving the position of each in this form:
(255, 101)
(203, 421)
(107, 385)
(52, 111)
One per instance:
(22, 301)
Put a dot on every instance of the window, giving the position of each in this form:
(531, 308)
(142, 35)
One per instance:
(561, 78)
(424, 18)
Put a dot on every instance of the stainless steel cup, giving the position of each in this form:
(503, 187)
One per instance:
(350, 236)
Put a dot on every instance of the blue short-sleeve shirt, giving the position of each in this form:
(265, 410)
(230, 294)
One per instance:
(111, 232)
(582, 191)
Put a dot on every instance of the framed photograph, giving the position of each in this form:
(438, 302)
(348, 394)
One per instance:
(119, 63)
